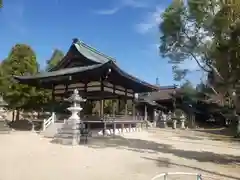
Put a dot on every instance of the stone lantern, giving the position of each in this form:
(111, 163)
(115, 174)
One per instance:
(69, 134)
(174, 120)
(182, 121)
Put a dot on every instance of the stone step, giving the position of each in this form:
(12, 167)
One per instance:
(52, 130)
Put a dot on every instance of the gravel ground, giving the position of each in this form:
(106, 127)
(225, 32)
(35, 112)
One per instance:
(138, 156)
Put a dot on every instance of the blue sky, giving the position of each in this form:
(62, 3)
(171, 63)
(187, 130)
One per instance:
(124, 29)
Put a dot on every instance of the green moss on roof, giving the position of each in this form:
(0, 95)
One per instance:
(91, 53)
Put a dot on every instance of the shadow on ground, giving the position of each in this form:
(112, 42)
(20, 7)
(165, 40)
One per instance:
(20, 125)
(25, 125)
(192, 138)
(165, 162)
(144, 146)
(219, 133)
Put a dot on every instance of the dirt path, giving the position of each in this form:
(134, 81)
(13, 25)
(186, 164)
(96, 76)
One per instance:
(138, 156)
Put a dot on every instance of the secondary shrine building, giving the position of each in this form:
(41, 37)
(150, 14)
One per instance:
(96, 75)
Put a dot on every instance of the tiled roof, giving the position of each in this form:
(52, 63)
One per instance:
(91, 53)
(75, 70)
(61, 72)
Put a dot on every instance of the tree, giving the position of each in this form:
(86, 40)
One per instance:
(207, 32)
(1, 4)
(199, 31)
(188, 88)
(44, 96)
(56, 57)
(3, 78)
(20, 61)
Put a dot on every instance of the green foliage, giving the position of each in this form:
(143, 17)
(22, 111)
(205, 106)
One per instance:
(179, 74)
(205, 31)
(203, 88)
(108, 106)
(20, 61)
(188, 88)
(56, 57)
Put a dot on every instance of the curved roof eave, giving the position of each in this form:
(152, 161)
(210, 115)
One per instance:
(75, 70)
(61, 72)
(134, 79)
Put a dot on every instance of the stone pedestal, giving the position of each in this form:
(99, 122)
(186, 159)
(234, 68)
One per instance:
(163, 124)
(69, 134)
(174, 120)
(182, 125)
(174, 123)
(182, 121)
(163, 121)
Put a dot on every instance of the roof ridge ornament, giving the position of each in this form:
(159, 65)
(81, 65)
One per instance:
(75, 40)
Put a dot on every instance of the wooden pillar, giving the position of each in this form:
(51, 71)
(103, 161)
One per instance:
(102, 100)
(125, 103)
(113, 107)
(118, 105)
(102, 107)
(126, 107)
(145, 112)
(133, 109)
(66, 91)
(53, 94)
(89, 126)
(53, 97)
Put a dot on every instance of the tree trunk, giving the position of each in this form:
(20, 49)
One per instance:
(13, 115)
(17, 114)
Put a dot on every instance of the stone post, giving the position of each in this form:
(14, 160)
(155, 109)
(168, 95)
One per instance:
(122, 128)
(114, 128)
(130, 127)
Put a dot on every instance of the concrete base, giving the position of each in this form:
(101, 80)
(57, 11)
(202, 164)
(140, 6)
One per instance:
(163, 124)
(110, 132)
(69, 134)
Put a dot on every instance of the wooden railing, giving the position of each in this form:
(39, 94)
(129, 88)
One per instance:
(106, 117)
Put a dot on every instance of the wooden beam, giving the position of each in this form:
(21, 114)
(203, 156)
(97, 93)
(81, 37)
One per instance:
(66, 90)
(76, 85)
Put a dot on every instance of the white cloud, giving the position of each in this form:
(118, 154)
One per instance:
(136, 3)
(191, 65)
(108, 11)
(151, 21)
(124, 4)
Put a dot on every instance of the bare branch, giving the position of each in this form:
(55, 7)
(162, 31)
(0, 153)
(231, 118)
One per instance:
(199, 64)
